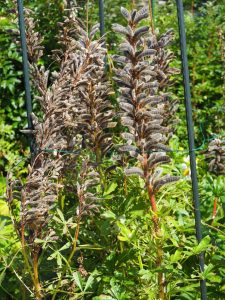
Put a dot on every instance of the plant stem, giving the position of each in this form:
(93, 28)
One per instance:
(26, 260)
(158, 236)
(154, 209)
(151, 16)
(214, 209)
(74, 248)
(37, 285)
(193, 7)
(23, 242)
(75, 241)
(21, 235)
(133, 5)
(98, 155)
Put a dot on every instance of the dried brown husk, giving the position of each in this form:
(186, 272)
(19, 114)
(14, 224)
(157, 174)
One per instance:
(143, 73)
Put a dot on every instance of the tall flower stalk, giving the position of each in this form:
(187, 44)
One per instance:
(62, 97)
(87, 180)
(143, 74)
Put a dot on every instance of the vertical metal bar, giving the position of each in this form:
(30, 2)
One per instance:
(190, 128)
(25, 64)
(101, 17)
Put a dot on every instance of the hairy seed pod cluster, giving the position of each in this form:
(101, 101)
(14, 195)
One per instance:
(74, 104)
(88, 178)
(143, 74)
(215, 155)
(94, 116)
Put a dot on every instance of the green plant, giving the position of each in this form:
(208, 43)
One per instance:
(144, 105)
(77, 226)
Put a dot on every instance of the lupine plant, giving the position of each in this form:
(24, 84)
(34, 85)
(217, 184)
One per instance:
(144, 76)
(73, 104)
(85, 229)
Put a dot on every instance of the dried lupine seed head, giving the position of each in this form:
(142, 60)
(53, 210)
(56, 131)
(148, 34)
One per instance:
(144, 105)
(215, 155)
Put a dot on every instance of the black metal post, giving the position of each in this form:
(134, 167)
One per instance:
(190, 128)
(101, 17)
(25, 65)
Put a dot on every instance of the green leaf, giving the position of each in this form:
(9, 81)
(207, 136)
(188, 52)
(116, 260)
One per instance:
(176, 256)
(109, 215)
(61, 215)
(53, 255)
(66, 246)
(122, 238)
(202, 246)
(2, 276)
(59, 260)
(4, 210)
(39, 241)
(89, 282)
(78, 280)
(103, 297)
(111, 188)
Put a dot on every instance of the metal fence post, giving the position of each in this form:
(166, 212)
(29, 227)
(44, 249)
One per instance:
(190, 128)
(101, 17)
(25, 66)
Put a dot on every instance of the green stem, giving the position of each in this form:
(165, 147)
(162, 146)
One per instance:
(37, 285)
(74, 248)
(159, 250)
(98, 155)
(26, 260)
(151, 12)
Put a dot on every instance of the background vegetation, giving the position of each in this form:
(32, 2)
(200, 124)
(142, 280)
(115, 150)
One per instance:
(115, 248)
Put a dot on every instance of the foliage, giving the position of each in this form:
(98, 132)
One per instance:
(75, 225)
(204, 28)
(12, 108)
